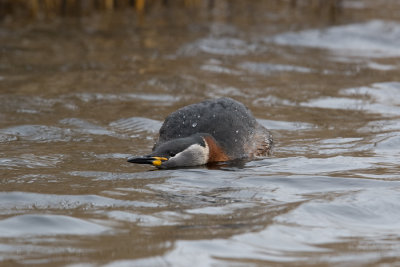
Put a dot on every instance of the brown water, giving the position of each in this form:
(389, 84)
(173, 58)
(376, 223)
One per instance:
(79, 96)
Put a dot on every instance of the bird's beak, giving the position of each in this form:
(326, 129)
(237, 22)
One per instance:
(156, 161)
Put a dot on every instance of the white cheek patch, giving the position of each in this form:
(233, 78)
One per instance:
(193, 155)
(201, 153)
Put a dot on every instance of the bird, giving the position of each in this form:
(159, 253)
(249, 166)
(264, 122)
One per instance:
(214, 130)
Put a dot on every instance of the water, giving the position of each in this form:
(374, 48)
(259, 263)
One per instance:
(79, 96)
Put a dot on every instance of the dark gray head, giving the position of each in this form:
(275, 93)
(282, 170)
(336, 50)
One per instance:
(181, 152)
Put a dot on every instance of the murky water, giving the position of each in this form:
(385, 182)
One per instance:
(79, 96)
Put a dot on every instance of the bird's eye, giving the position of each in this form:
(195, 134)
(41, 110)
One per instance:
(171, 154)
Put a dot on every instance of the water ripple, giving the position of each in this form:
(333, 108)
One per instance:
(44, 224)
(218, 46)
(37, 133)
(136, 125)
(25, 200)
(375, 38)
(268, 68)
(379, 98)
(31, 161)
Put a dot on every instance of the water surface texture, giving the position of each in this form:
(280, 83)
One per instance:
(78, 96)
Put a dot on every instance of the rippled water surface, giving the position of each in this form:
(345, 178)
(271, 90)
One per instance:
(78, 96)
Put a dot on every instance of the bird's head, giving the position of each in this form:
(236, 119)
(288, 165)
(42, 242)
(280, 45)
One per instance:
(182, 152)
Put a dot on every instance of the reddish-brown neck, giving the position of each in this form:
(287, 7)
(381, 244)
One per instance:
(215, 151)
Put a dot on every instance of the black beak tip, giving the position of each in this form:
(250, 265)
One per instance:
(140, 160)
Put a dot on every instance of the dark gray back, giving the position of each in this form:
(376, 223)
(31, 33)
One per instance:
(227, 120)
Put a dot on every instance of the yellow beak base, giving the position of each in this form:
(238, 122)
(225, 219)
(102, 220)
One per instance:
(158, 160)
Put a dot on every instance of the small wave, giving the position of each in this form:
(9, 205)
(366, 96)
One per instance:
(136, 125)
(45, 224)
(378, 98)
(85, 127)
(375, 38)
(268, 68)
(26, 200)
(38, 133)
(218, 46)
(31, 161)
